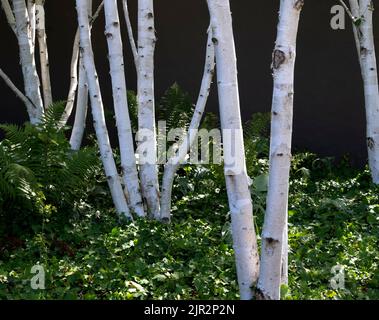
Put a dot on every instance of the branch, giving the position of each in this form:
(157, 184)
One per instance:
(74, 70)
(130, 32)
(13, 87)
(9, 15)
(354, 18)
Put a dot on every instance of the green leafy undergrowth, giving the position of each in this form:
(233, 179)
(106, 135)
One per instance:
(101, 258)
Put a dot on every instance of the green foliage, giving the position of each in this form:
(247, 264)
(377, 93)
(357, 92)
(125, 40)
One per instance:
(88, 253)
(39, 174)
(176, 108)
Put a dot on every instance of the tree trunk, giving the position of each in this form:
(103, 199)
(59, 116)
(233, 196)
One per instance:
(174, 163)
(364, 36)
(98, 110)
(147, 146)
(43, 52)
(31, 79)
(124, 129)
(81, 109)
(283, 66)
(237, 181)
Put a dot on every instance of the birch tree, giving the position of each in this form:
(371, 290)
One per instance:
(98, 110)
(146, 137)
(283, 66)
(237, 181)
(362, 13)
(40, 30)
(78, 128)
(174, 163)
(31, 79)
(117, 71)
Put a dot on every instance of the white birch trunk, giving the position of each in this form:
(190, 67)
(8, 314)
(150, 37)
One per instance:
(31, 79)
(98, 110)
(130, 32)
(74, 84)
(81, 109)
(73, 81)
(283, 66)
(174, 163)
(237, 181)
(364, 36)
(124, 129)
(146, 107)
(32, 19)
(40, 30)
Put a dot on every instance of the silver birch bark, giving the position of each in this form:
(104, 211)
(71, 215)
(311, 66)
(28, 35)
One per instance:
(29, 70)
(98, 111)
(40, 30)
(283, 66)
(174, 163)
(124, 129)
(237, 181)
(364, 37)
(146, 137)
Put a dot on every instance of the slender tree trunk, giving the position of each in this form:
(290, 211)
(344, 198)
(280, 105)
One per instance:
(283, 66)
(147, 148)
(364, 36)
(43, 52)
(98, 110)
(174, 163)
(124, 129)
(237, 181)
(13, 87)
(31, 79)
(81, 109)
(130, 32)
(74, 81)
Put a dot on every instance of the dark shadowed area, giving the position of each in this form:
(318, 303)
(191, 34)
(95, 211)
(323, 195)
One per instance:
(329, 115)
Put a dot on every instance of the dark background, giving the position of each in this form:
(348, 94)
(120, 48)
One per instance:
(329, 116)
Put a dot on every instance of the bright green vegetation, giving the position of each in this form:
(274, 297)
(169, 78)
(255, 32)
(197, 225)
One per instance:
(55, 209)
